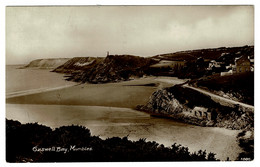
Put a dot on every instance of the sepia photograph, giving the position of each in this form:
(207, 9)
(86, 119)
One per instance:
(122, 83)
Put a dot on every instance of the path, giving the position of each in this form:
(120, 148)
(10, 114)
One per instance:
(230, 101)
(220, 97)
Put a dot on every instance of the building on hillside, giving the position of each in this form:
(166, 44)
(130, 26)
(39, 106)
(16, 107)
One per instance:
(242, 64)
(251, 63)
(216, 66)
(201, 113)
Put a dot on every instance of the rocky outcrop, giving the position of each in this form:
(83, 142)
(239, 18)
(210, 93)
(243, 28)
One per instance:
(46, 63)
(113, 68)
(182, 104)
(163, 102)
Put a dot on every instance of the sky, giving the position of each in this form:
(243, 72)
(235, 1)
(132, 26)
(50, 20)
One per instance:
(82, 31)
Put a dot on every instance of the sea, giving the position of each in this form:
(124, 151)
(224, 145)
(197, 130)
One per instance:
(107, 122)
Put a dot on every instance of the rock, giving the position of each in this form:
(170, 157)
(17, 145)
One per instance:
(165, 102)
(103, 70)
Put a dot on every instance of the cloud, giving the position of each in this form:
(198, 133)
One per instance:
(41, 32)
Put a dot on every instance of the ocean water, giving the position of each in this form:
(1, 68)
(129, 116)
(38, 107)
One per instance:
(20, 81)
(112, 121)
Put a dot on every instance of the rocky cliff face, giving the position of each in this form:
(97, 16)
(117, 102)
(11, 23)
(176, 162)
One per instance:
(46, 63)
(103, 70)
(179, 103)
(163, 102)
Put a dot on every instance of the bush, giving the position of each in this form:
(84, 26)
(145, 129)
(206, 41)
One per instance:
(21, 139)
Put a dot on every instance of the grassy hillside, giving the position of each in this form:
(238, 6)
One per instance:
(78, 64)
(240, 86)
(113, 68)
(212, 54)
(46, 63)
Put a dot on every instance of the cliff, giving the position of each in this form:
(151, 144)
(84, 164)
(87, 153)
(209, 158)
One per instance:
(114, 68)
(78, 64)
(193, 107)
(102, 70)
(46, 63)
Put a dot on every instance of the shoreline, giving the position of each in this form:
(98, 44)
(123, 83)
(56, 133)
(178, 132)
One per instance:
(35, 91)
(193, 144)
(126, 94)
(118, 148)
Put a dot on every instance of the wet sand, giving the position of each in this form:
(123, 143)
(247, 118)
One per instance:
(122, 94)
(81, 104)
(112, 121)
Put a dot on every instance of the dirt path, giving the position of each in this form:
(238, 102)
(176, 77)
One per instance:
(229, 101)
(220, 98)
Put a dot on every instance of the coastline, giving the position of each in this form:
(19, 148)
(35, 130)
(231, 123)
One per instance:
(136, 92)
(35, 91)
(127, 94)
(120, 122)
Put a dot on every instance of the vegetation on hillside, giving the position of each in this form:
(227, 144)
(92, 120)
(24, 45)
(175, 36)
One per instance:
(222, 116)
(78, 64)
(240, 86)
(25, 143)
(246, 142)
(197, 61)
(174, 101)
(46, 63)
(211, 53)
(113, 68)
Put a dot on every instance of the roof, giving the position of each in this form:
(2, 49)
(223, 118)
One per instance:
(241, 59)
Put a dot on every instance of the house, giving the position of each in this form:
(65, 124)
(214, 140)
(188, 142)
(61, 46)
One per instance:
(216, 66)
(226, 73)
(229, 70)
(242, 64)
(251, 63)
(201, 113)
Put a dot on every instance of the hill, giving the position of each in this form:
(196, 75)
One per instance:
(239, 87)
(210, 54)
(46, 63)
(113, 68)
(78, 64)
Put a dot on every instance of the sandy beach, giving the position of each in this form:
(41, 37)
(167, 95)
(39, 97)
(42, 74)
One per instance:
(106, 110)
(126, 94)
